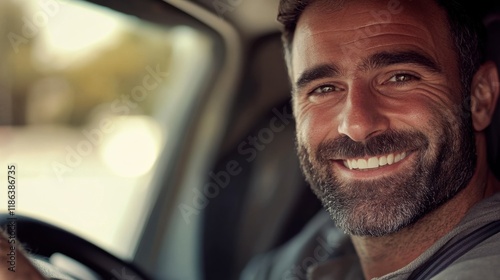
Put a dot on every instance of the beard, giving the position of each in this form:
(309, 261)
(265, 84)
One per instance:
(438, 171)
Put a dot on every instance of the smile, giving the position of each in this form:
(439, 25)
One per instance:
(374, 162)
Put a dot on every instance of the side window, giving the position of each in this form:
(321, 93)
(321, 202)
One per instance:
(90, 99)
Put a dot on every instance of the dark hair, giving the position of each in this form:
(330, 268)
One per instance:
(465, 28)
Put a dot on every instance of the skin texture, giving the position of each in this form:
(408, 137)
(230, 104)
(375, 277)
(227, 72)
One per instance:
(362, 100)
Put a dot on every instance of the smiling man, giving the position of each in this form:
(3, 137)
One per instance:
(392, 99)
(382, 134)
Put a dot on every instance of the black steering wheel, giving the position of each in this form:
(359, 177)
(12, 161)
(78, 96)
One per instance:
(43, 239)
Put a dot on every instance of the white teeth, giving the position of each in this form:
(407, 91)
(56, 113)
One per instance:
(390, 159)
(400, 157)
(362, 164)
(382, 161)
(374, 162)
(397, 158)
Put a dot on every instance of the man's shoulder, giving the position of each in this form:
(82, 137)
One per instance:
(470, 251)
(481, 262)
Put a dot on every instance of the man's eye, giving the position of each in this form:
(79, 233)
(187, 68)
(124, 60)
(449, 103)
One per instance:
(324, 89)
(403, 78)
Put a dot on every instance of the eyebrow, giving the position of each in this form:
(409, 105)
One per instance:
(316, 73)
(384, 59)
(375, 61)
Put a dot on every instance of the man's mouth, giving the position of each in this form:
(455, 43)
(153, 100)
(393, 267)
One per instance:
(374, 162)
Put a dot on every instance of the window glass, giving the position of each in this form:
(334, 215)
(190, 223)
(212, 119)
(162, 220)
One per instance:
(88, 102)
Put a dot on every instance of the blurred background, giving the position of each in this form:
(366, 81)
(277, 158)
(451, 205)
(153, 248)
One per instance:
(85, 114)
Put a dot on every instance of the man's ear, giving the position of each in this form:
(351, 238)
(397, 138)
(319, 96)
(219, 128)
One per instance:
(484, 95)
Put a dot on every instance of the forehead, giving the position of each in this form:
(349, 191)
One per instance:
(342, 33)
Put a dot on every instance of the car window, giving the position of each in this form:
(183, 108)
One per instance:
(90, 101)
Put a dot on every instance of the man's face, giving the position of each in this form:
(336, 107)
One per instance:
(382, 133)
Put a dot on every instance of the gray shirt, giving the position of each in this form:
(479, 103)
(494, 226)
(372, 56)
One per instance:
(322, 251)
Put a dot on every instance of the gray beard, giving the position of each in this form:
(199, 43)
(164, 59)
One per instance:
(385, 206)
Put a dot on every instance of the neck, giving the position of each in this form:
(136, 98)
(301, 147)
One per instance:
(382, 255)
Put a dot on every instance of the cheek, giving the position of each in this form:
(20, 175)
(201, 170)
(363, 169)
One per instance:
(439, 123)
(305, 128)
(315, 124)
(424, 108)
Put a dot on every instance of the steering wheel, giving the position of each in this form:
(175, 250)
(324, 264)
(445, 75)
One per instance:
(43, 239)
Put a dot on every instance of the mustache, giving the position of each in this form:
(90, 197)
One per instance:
(386, 143)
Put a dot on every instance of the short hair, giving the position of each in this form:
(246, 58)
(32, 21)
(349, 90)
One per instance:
(465, 28)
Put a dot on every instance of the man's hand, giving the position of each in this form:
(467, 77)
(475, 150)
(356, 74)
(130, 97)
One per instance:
(14, 265)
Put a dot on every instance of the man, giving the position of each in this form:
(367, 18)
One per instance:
(391, 100)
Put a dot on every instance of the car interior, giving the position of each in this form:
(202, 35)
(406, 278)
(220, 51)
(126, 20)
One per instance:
(154, 139)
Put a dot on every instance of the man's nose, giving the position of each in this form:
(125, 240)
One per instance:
(362, 116)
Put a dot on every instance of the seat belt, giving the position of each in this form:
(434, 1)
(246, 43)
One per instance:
(453, 250)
